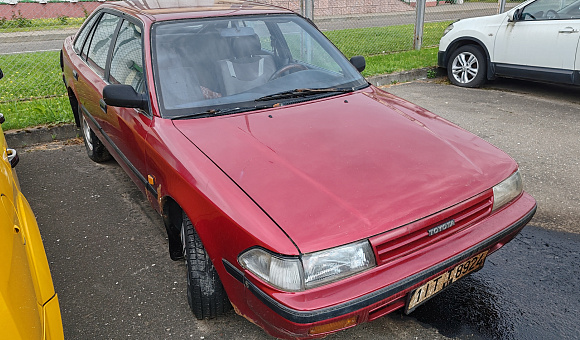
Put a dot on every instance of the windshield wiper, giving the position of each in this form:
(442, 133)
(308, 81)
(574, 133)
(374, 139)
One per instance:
(297, 93)
(222, 112)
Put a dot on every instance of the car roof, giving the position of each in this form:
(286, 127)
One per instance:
(158, 10)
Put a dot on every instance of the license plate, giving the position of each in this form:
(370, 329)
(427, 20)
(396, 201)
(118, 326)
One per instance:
(436, 285)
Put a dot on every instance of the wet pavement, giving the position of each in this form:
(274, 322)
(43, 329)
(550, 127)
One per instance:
(527, 290)
(108, 251)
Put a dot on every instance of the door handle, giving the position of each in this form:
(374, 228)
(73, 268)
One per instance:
(103, 105)
(75, 75)
(568, 30)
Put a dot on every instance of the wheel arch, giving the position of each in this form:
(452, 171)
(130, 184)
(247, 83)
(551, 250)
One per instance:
(207, 296)
(172, 214)
(74, 105)
(457, 43)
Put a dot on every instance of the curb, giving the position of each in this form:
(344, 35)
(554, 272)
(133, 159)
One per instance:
(405, 76)
(19, 37)
(46, 134)
(40, 135)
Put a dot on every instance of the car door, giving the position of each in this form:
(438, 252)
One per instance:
(19, 305)
(540, 43)
(89, 78)
(127, 128)
(113, 54)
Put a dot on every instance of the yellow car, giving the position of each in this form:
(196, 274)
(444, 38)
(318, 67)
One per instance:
(29, 306)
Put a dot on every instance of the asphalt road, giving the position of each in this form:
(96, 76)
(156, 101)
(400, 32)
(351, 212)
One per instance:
(107, 247)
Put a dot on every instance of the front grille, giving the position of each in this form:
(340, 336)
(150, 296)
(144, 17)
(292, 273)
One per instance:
(409, 238)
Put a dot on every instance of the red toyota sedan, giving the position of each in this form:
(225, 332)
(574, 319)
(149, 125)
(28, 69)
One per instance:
(295, 191)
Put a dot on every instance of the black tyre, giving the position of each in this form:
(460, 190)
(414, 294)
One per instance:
(467, 66)
(96, 150)
(205, 292)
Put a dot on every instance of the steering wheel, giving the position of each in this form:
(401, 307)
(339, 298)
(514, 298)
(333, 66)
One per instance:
(524, 15)
(280, 71)
(551, 14)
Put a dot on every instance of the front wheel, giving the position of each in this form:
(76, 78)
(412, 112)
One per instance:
(466, 67)
(96, 150)
(205, 292)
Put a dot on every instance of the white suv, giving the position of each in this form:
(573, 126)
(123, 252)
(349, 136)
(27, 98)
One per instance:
(535, 40)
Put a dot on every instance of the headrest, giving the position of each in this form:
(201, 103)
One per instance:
(246, 46)
(232, 32)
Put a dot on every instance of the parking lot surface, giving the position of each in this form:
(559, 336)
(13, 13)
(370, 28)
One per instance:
(108, 252)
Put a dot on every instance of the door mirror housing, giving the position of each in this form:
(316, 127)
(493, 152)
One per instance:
(125, 96)
(359, 62)
(515, 15)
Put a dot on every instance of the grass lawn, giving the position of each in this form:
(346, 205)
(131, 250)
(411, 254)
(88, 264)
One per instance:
(32, 91)
(401, 61)
(22, 114)
(373, 41)
(21, 24)
(30, 75)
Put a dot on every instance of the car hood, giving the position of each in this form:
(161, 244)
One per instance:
(345, 168)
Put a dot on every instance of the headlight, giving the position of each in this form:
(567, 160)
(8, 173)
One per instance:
(314, 269)
(507, 190)
(447, 29)
(280, 271)
(334, 264)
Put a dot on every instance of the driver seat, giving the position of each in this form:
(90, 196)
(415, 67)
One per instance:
(250, 66)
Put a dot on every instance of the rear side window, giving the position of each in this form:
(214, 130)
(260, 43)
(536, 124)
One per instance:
(101, 41)
(82, 36)
(127, 62)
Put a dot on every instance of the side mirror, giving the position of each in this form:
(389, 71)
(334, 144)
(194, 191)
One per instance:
(515, 15)
(1, 74)
(12, 157)
(124, 96)
(359, 62)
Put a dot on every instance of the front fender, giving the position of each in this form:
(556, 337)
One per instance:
(444, 56)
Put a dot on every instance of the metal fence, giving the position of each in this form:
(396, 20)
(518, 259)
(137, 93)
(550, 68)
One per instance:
(31, 33)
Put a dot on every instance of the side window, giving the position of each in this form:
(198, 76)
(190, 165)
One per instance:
(101, 41)
(549, 10)
(305, 49)
(81, 37)
(85, 50)
(127, 62)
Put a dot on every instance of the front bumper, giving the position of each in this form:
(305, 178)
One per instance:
(381, 290)
(441, 59)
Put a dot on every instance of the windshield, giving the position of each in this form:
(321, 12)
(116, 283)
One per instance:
(221, 64)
